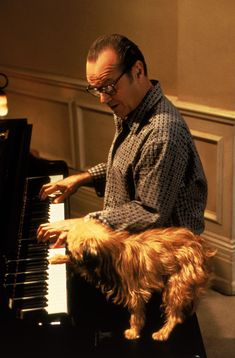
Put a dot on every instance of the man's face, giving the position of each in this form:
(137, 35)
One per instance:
(106, 70)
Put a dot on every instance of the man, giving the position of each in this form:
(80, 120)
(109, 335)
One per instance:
(153, 176)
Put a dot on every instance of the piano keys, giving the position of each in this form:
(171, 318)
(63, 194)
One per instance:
(36, 289)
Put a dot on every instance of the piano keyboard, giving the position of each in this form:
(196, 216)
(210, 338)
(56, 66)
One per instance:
(36, 287)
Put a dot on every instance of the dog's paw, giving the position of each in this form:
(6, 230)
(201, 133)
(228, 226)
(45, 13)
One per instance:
(58, 259)
(161, 335)
(131, 333)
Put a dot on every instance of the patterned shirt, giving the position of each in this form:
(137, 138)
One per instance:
(153, 176)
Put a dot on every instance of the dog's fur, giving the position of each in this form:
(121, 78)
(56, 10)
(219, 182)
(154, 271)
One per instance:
(129, 267)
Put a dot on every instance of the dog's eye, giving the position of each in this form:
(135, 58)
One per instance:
(90, 259)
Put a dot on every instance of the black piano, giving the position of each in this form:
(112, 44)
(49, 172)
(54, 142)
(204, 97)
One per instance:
(47, 310)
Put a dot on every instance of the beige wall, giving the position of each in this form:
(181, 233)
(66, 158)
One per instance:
(189, 44)
(54, 35)
(206, 52)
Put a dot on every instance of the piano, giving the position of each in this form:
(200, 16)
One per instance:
(35, 290)
(47, 310)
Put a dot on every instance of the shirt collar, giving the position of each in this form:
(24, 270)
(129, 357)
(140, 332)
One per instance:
(134, 119)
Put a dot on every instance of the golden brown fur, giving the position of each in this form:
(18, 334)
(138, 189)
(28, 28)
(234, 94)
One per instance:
(130, 267)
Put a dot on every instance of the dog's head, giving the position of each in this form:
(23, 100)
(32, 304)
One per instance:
(93, 251)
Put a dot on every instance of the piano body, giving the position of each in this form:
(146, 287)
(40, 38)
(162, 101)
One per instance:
(33, 294)
(28, 277)
(47, 310)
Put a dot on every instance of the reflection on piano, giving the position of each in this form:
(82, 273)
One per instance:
(47, 310)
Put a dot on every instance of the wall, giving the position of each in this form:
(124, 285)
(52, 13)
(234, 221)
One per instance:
(53, 36)
(206, 52)
(190, 48)
(189, 45)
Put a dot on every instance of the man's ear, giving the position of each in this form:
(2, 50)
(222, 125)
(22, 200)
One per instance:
(138, 69)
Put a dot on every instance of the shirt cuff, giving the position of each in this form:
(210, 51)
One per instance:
(98, 173)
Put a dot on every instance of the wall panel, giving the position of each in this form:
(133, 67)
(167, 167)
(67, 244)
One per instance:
(93, 135)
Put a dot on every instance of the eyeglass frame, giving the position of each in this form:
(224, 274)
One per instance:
(103, 89)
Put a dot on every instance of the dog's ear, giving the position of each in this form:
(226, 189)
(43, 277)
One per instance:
(90, 258)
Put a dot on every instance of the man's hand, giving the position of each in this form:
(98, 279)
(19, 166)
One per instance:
(56, 232)
(62, 189)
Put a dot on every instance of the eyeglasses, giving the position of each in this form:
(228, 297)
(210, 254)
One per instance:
(108, 89)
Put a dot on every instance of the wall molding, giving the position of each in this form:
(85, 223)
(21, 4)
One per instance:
(223, 268)
(55, 99)
(43, 78)
(218, 141)
(214, 114)
(188, 108)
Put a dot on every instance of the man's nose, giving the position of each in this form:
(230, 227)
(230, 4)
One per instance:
(104, 97)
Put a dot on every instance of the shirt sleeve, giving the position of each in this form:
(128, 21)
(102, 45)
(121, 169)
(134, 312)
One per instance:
(98, 173)
(157, 177)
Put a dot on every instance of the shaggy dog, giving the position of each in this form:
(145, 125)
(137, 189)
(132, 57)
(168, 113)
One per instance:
(130, 267)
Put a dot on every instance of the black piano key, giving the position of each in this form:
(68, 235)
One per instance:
(31, 241)
(28, 289)
(36, 264)
(35, 255)
(29, 302)
(10, 287)
(33, 224)
(36, 314)
(32, 245)
(33, 250)
(36, 205)
(26, 249)
(38, 211)
(31, 232)
(27, 264)
(37, 248)
(12, 278)
(29, 254)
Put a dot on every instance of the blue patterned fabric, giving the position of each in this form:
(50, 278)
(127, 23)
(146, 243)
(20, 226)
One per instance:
(153, 176)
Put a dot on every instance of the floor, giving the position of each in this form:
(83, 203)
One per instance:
(216, 316)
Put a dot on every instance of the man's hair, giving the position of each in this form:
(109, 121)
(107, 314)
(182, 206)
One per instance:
(127, 51)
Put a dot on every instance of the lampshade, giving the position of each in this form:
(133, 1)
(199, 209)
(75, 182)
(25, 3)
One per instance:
(3, 97)
(3, 104)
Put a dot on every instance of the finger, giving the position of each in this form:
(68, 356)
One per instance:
(46, 190)
(41, 229)
(43, 188)
(40, 232)
(60, 198)
(46, 233)
(50, 235)
(61, 240)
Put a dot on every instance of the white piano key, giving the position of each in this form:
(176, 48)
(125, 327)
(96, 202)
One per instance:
(57, 278)
(56, 212)
(57, 288)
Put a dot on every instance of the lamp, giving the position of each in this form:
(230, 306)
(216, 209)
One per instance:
(3, 97)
